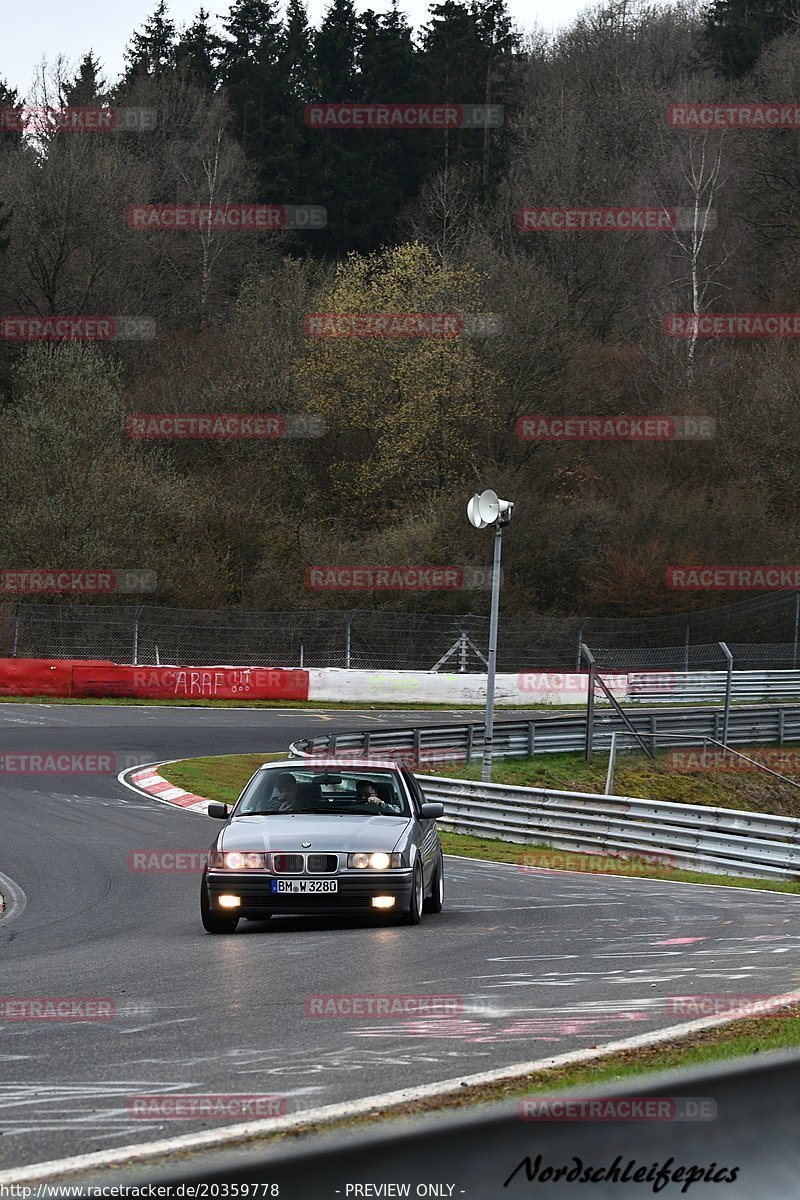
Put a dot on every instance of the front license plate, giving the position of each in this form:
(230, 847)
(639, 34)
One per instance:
(305, 886)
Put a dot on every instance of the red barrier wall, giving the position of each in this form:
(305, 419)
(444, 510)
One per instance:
(97, 677)
(187, 683)
(40, 676)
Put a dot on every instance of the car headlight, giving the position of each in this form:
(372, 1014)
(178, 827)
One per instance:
(238, 860)
(377, 861)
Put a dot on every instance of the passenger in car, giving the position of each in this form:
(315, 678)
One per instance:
(367, 793)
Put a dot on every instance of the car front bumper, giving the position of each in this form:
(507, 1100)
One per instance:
(355, 893)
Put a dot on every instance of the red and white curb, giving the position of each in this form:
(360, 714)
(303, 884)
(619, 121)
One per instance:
(148, 781)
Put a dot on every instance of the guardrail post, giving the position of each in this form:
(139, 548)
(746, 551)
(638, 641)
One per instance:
(781, 724)
(531, 738)
(367, 740)
(653, 731)
(470, 740)
(612, 762)
(417, 744)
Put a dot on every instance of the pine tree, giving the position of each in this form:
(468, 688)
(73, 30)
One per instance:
(335, 52)
(88, 86)
(9, 100)
(249, 66)
(197, 53)
(297, 55)
(736, 32)
(152, 52)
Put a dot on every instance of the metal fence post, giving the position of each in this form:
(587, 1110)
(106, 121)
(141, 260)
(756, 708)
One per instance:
(578, 656)
(350, 618)
(16, 630)
(686, 646)
(728, 685)
(589, 702)
(136, 616)
(796, 625)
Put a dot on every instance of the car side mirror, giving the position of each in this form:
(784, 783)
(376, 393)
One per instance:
(431, 810)
(220, 811)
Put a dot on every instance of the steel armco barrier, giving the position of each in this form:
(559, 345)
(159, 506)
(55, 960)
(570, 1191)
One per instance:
(718, 840)
(694, 687)
(760, 724)
(723, 841)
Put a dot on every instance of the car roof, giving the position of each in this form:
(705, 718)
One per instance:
(364, 764)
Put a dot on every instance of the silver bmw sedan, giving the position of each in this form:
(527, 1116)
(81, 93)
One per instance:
(312, 837)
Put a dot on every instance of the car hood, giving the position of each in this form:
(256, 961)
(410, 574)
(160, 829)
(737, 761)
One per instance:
(324, 832)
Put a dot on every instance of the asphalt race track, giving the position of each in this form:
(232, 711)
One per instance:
(543, 964)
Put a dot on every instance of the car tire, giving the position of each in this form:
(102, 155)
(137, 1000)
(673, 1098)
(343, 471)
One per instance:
(214, 922)
(413, 914)
(435, 902)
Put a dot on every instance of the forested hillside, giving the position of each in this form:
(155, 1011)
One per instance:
(418, 221)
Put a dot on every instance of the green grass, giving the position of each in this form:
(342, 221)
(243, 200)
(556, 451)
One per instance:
(221, 778)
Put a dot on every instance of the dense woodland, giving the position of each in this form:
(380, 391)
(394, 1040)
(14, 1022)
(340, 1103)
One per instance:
(417, 222)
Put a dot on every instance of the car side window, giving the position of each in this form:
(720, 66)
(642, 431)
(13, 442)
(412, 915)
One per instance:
(416, 791)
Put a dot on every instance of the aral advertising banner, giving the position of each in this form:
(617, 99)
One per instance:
(191, 683)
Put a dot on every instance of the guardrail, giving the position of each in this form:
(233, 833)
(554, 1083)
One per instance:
(723, 841)
(557, 734)
(694, 687)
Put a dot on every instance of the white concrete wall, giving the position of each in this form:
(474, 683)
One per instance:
(425, 687)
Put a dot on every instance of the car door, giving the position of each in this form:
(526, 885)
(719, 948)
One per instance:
(429, 843)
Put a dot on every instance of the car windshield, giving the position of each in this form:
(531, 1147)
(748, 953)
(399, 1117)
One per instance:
(307, 790)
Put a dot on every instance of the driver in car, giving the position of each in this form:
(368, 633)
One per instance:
(366, 793)
(285, 793)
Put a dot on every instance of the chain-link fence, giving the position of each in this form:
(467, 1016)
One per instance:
(761, 632)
